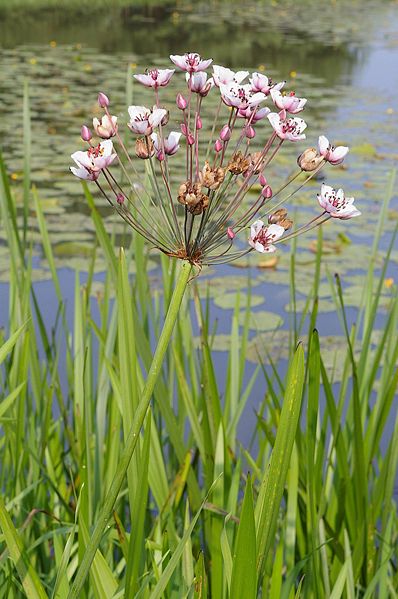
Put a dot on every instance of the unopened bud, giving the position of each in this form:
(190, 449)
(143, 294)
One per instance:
(225, 133)
(266, 192)
(218, 146)
(160, 155)
(262, 180)
(120, 198)
(250, 132)
(144, 148)
(85, 133)
(181, 102)
(190, 139)
(199, 124)
(103, 100)
(184, 129)
(230, 233)
(309, 160)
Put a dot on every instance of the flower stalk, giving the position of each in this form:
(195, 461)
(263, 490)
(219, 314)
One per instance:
(132, 439)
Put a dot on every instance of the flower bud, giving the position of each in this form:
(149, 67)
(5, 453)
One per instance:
(225, 133)
(262, 180)
(218, 146)
(181, 102)
(85, 133)
(160, 155)
(230, 233)
(144, 148)
(250, 132)
(184, 129)
(199, 124)
(190, 139)
(120, 198)
(103, 100)
(266, 192)
(309, 160)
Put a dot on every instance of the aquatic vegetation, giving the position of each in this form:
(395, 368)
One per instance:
(199, 210)
(187, 519)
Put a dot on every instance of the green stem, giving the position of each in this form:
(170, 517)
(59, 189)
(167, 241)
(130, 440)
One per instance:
(131, 441)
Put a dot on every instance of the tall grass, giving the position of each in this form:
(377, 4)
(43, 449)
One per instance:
(307, 510)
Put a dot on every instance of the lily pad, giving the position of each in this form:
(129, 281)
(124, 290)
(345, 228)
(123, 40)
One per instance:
(262, 320)
(228, 300)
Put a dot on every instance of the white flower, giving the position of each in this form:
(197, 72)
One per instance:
(143, 120)
(336, 204)
(106, 127)
(171, 144)
(263, 236)
(240, 96)
(290, 102)
(330, 153)
(155, 77)
(199, 83)
(91, 163)
(224, 76)
(191, 62)
(261, 83)
(247, 113)
(291, 129)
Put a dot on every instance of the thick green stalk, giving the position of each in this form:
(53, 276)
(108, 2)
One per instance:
(131, 442)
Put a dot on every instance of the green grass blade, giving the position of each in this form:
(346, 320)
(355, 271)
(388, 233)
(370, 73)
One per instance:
(244, 579)
(267, 508)
(28, 576)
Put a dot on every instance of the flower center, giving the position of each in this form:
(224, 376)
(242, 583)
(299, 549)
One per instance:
(154, 73)
(291, 126)
(193, 59)
(264, 237)
(96, 152)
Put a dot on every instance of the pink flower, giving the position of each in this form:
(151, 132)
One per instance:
(199, 83)
(91, 163)
(336, 204)
(224, 76)
(261, 83)
(291, 129)
(262, 236)
(106, 127)
(143, 120)
(240, 96)
(330, 153)
(155, 77)
(190, 62)
(289, 102)
(171, 144)
(247, 113)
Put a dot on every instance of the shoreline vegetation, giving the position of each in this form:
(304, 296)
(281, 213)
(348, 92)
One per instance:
(307, 509)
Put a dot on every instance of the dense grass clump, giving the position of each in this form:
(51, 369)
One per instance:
(306, 510)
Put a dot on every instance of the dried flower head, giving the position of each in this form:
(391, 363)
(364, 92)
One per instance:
(309, 160)
(238, 163)
(144, 148)
(211, 177)
(279, 217)
(204, 219)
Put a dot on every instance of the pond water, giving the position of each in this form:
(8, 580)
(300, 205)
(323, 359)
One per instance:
(343, 58)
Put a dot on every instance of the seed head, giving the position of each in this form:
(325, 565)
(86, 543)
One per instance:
(309, 160)
(144, 148)
(238, 164)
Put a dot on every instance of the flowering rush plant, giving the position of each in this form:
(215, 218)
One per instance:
(197, 208)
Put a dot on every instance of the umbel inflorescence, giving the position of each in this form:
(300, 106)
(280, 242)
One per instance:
(199, 209)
